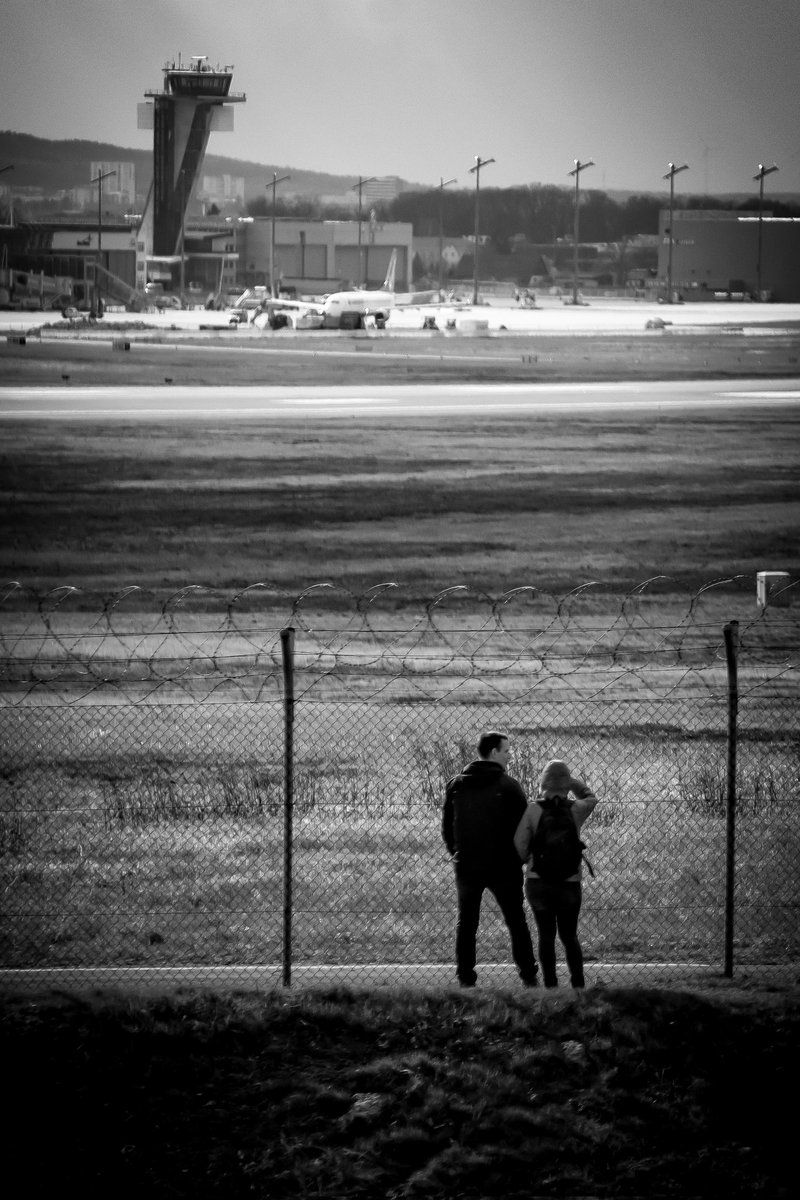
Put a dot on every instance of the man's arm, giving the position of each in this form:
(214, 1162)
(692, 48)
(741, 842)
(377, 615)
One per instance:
(523, 838)
(447, 823)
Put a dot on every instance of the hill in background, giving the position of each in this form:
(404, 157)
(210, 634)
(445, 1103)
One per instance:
(57, 166)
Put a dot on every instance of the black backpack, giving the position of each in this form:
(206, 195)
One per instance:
(557, 848)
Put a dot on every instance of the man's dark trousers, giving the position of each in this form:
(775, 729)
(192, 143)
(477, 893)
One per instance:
(508, 892)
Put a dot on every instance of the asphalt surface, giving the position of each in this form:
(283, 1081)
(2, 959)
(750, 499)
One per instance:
(551, 315)
(170, 402)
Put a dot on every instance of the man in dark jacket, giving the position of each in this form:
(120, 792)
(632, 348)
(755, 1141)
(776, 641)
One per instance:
(482, 809)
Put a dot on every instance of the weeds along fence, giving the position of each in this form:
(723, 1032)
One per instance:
(255, 782)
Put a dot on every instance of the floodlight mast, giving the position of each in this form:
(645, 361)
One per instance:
(476, 171)
(443, 183)
(98, 179)
(362, 183)
(579, 166)
(275, 181)
(762, 172)
(670, 175)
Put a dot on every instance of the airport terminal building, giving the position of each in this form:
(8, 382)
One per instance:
(715, 254)
(217, 257)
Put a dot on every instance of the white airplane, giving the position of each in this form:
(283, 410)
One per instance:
(378, 303)
(359, 302)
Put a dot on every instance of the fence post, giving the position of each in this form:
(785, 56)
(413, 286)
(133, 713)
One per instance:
(287, 650)
(731, 650)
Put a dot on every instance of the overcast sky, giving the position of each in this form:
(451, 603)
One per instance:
(418, 88)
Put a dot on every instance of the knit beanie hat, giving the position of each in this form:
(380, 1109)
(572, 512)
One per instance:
(555, 779)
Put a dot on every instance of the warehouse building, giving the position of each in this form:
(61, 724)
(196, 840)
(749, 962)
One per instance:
(716, 253)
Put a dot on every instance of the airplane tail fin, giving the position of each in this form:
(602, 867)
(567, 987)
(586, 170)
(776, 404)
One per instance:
(391, 272)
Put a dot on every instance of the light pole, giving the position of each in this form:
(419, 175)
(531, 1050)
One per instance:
(476, 171)
(576, 171)
(443, 183)
(275, 181)
(9, 167)
(359, 186)
(101, 175)
(670, 175)
(762, 171)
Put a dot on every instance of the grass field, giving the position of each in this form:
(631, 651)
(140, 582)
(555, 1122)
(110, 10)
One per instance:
(154, 835)
(489, 503)
(492, 503)
(144, 833)
(400, 1095)
(189, 357)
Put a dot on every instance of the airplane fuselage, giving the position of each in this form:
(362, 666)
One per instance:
(363, 303)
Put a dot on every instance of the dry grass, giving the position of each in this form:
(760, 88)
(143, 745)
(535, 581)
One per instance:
(155, 836)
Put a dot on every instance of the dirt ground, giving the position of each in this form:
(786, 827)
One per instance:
(617, 1093)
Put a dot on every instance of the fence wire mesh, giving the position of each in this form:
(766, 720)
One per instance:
(190, 791)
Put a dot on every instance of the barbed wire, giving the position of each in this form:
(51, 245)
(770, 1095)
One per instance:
(68, 644)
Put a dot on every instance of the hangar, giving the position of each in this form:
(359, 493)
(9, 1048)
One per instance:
(716, 251)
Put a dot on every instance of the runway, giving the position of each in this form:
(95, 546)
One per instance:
(179, 403)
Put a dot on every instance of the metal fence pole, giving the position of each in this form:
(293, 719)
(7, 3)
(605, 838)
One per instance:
(287, 649)
(731, 650)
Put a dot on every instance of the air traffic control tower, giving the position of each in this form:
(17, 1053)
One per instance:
(195, 101)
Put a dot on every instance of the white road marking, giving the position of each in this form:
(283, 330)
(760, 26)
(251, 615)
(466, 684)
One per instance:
(764, 395)
(271, 402)
(332, 400)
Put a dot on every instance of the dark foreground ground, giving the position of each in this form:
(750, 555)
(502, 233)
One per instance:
(449, 1095)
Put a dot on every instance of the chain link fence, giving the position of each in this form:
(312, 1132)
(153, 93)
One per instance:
(250, 789)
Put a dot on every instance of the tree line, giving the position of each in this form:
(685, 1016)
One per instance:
(541, 214)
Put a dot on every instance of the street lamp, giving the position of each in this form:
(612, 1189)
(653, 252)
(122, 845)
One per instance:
(275, 181)
(762, 171)
(361, 184)
(670, 175)
(476, 171)
(443, 183)
(579, 166)
(101, 175)
(9, 167)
